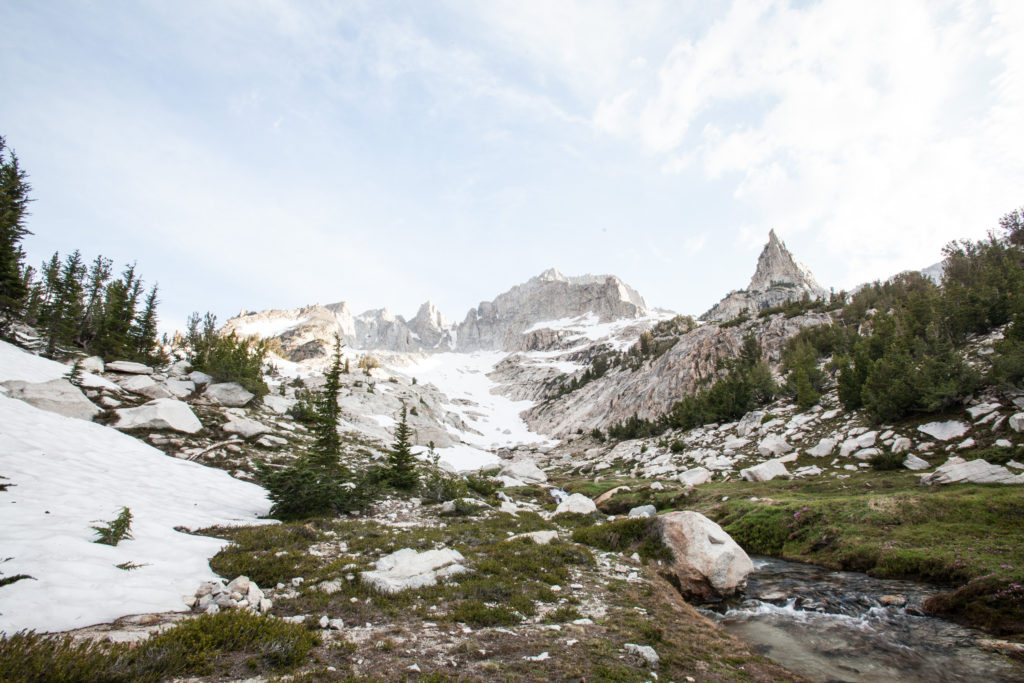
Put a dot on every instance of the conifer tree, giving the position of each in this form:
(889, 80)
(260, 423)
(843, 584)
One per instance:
(327, 443)
(99, 276)
(401, 470)
(65, 308)
(14, 199)
(145, 332)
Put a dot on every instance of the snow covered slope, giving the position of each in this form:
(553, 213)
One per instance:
(64, 475)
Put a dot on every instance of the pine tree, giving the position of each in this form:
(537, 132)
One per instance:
(113, 340)
(401, 469)
(14, 199)
(66, 309)
(99, 276)
(145, 332)
(327, 443)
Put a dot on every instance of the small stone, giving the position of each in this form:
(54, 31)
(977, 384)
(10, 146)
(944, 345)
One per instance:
(646, 652)
(325, 621)
(643, 511)
(893, 600)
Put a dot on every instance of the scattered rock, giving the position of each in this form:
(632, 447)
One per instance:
(576, 503)
(93, 364)
(901, 445)
(56, 396)
(974, 472)
(279, 404)
(406, 568)
(129, 368)
(645, 652)
(1017, 422)
(643, 511)
(944, 431)
(912, 462)
(245, 427)
(524, 470)
(765, 471)
(982, 409)
(823, 449)
(163, 413)
(180, 388)
(538, 537)
(694, 477)
(200, 379)
(893, 600)
(774, 446)
(271, 441)
(144, 385)
(706, 561)
(611, 492)
(227, 394)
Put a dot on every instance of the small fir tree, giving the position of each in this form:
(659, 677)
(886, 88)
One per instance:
(401, 468)
(14, 200)
(327, 443)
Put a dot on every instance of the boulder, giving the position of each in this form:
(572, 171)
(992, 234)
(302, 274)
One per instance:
(129, 368)
(912, 462)
(695, 477)
(576, 503)
(524, 470)
(643, 511)
(162, 413)
(808, 471)
(973, 472)
(750, 422)
(279, 404)
(245, 427)
(944, 431)
(406, 568)
(823, 449)
(271, 441)
(645, 652)
(706, 562)
(144, 385)
(774, 446)
(538, 537)
(56, 396)
(1017, 422)
(178, 368)
(92, 364)
(180, 388)
(982, 409)
(867, 453)
(611, 492)
(765, 471)
(901, 445)
(735, 444)
(867, 439)
(227, 394)
(201, 379)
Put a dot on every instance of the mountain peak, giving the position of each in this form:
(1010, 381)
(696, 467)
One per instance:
(776, 266)
(552, 275)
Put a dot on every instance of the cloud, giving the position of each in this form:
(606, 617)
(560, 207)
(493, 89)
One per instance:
(887, 130)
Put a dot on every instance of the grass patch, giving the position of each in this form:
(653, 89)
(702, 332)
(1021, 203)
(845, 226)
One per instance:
(626, 536)
(220, 643)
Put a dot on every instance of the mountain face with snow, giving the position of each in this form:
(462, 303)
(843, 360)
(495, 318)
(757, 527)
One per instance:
(497, 325)
(778, 278)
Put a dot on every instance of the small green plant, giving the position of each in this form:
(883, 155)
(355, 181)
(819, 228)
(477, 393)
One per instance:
(74, 375)
(128, 566)
(483, 485)
(116, 530)
(887, 460)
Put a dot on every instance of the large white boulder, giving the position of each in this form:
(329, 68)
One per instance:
(944, 431)
(279, 404)
(92, 364)
(695, 476)
(406, 568)
(524, 471)
(129, 368)
(199, 378)
(228, 394)
(823, 449)
(180, 388)
(912, 462)
(774, 446)
(576, 503)
(706, 561)
(162, 413)
(56, 396)
(750, 422)
(765, 471)
(144, 385)
(245, 427)
(901, 444)
(973, 472)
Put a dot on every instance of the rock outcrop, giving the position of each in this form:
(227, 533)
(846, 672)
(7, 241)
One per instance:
(57, 396)
(162, 413)
(406, 568)
(778, 278)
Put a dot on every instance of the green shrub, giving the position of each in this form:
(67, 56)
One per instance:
(476, 613)
(638, 535)
(116, 530)
(483, 485)
(887, 460)
(310, 488)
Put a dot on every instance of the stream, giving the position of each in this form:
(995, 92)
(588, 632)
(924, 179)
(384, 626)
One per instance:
(836, 626)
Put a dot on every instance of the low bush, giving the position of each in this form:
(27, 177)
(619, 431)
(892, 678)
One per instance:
(887, 460)
(626, 536)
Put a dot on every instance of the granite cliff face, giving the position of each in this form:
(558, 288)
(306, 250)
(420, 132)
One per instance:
(512, 321)
(779, 278)
(551, 296)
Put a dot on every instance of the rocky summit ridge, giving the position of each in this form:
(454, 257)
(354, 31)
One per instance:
(778, 278)
(496, 325)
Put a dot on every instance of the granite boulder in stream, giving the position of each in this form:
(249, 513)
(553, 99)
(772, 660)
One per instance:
(706, 563)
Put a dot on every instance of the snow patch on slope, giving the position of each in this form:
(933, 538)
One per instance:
(66, 475)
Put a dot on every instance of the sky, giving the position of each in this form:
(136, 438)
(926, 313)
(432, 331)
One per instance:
(253, 154)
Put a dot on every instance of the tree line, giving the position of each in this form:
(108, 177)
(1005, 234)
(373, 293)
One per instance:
(73, 305)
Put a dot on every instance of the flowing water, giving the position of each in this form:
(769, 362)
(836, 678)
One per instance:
(844, 626)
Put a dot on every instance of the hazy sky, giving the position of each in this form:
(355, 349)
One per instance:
(260, 153)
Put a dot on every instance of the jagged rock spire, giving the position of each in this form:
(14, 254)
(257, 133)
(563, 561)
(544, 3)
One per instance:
(776, 266)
